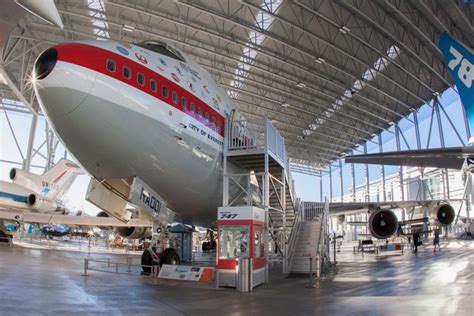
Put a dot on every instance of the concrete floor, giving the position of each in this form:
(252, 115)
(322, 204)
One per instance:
(50, 282)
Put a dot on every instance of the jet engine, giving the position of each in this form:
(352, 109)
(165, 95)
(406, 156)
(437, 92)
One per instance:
(44, 205)
(129, 232)
(444, 213)
(27, 179)
(133, 232)
(383, 223)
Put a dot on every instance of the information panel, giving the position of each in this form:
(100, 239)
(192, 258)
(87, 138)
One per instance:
(186, 273)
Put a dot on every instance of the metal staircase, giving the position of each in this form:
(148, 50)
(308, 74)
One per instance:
(306, 246)
(256, 173)
(308, 239)
(254, 151)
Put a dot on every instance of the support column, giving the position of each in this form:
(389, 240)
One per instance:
(400, 169)
(367, 184)
(341, 180)
(31, 140)
(353, 183)
(225, 193)
(382, 169)
(321, 186)
(330, 182)
(284, 243)
(266, 194)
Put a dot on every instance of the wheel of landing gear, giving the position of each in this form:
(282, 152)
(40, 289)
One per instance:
(3, 236)
(170, 256)
(147, 260)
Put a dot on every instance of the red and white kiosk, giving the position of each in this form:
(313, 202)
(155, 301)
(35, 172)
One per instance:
(241, 235)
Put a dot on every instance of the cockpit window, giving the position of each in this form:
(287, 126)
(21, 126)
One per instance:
(162, 48)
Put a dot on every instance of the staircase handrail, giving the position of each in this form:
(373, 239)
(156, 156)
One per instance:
(322, 232)
(294, 233)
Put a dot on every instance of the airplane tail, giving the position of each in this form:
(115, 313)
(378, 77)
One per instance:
(460, 61)
(57, 180)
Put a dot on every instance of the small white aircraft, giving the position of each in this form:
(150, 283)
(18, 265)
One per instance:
(31, 192)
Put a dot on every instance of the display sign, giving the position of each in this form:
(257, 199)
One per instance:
(186, 273)
(149, 201)
(241, 213)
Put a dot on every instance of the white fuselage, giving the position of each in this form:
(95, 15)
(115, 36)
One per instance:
(14, 196)
(118, 127)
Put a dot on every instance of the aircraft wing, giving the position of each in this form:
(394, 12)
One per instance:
(71, 220)
(340, 208)
(452, 158)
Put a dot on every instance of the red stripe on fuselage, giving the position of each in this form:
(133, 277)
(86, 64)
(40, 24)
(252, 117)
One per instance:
(59, 177)
(95, 58)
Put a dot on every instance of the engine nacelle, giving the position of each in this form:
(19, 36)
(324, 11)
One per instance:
(133, 232)
(383, 224)
(444, 213)
(128, 232)
(26, 179)
(44, 205)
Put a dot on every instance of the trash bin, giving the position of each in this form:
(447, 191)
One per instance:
(244, 275)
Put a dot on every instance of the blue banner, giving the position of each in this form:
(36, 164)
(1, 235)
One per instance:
(460, 60)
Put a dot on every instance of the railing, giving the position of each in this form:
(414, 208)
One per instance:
(294, 233)
(323, 239)
(243, 134)
(110, 266)
(276, 143)
(312, 210)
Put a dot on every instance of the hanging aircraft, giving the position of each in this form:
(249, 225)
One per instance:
(460, 62)
(31, 192)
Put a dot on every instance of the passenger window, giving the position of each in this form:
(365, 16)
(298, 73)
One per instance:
(140, 79)
(175, 97)
(184, 103)
(110, 65)
(200, 112)
(164, 91)
(219, 126)
(207, 116)
(126, 72)
(193, 107)
(153, 85)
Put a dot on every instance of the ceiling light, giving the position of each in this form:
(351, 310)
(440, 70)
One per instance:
(391, 123)
(373, 134)
(307, 132)
(273, 121)
(313, 126)
(285, 105)
(436, 94)
(344, 29)
(301, 85)
(128, 28)
(320, 60)
(357, 145)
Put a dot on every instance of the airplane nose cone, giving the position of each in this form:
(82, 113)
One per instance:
(45, 63)
(61, 86)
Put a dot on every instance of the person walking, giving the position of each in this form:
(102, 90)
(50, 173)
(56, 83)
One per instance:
(436, 240)
(416, 241)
